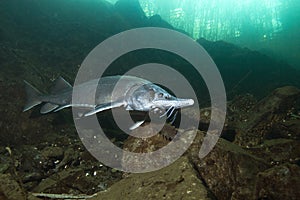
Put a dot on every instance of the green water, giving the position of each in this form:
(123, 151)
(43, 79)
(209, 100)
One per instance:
(49, 38)
(271, 26)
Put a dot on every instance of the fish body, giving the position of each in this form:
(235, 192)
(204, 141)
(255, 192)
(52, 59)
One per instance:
(130, 92)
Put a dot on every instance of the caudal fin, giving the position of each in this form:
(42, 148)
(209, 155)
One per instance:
(33, 96)
(60, 85)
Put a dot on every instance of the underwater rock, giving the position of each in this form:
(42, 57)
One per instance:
(278, 151)
(88, 178)
(5, 160)
(279, 182)
(228, 170)
(157, 21)
(228, 132)
(205, 115)
(144, 145)
(287, 128)
(265, 116)
(177, 181)
(31, 160)
(53, 152)
(11, 190)
(240, 105)
(131, 11)
(151, 144)
(247, 71)
(69, 158)
(59, 182)
(4, 167)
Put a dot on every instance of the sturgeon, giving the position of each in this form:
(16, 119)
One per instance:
(130, 92)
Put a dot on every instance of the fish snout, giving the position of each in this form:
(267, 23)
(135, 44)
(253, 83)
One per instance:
(190, 102)
(181, 103)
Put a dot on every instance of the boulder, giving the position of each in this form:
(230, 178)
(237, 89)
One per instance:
(177, 181)
(10, 189)
(279, 182)
(264, 117)
(228, 170)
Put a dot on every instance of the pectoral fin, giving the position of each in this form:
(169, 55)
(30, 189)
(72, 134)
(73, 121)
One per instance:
(62, 107)
(105, 106)
(48, 107)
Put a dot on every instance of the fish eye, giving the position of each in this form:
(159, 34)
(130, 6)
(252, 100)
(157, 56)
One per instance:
(168, 97)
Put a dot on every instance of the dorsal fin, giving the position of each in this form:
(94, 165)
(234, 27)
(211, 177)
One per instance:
(60, 85)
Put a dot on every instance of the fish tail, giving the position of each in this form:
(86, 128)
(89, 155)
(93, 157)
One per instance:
(33, 96)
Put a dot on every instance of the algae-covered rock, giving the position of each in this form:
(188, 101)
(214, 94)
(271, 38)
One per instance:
(151, 144)
(11, 190)
(265, 115)
(287, 128)
(53, 152)
(177, 181)
(60, 182)
(279, 182)
(228, 170)
(278, 151)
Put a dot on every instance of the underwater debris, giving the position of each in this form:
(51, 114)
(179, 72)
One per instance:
(63, 196)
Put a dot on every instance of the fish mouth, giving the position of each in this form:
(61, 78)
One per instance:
(172, 105)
